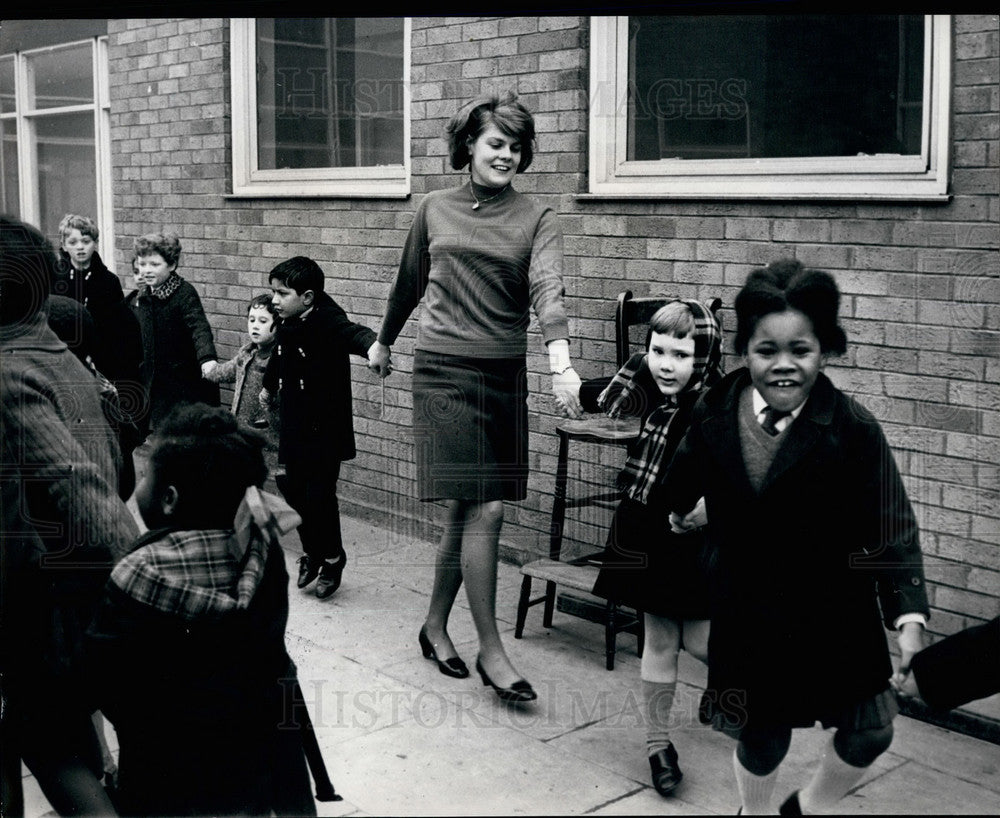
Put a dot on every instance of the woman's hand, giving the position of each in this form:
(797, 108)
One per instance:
(566, 390)
(208, 368)
(379, 359)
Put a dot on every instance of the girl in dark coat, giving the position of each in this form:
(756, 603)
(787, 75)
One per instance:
(177, 339)
(814, 545)
(645, 565)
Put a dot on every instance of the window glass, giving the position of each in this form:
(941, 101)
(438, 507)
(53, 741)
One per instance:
(329, 92)
(6, 85)
(66, 167)
(771, 86)
(8, 167)
(63, 76)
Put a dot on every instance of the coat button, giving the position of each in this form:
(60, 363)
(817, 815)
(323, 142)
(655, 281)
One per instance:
(915, 580)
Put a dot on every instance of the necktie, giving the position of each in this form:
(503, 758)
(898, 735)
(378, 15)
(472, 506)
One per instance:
(771, 417)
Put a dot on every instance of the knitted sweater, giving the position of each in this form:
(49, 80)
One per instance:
(479, 271)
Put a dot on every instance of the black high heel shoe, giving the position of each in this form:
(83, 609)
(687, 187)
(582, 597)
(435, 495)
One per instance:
(518, 692)
(453, 667)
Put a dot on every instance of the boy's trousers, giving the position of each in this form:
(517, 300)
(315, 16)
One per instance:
(311, 489)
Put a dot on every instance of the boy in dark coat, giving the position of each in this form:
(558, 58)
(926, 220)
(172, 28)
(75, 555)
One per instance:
(116, 346)
(309, 374)
(186, 653)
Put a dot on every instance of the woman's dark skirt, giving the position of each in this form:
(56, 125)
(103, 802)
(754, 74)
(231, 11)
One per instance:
(651, 569)
(470, 427)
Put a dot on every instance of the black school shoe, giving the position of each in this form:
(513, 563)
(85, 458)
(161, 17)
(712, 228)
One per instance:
(308, 570)
(665, 771)
(330, 575)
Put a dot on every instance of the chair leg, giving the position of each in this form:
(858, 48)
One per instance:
(610, 635)
(559, 499)
(522, 606)
(550, 603)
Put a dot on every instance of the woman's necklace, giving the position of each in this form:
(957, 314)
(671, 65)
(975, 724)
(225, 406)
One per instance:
(478, 202)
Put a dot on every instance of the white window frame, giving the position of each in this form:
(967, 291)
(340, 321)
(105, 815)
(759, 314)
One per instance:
(383, 181)
(879, 177)
(27, 146)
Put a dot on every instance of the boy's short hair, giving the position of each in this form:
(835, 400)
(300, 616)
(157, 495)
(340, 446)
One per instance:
(509, 115)
(167, 245)
(210, 458)
(86, 225)
(27, 264)
(300, 273)
(262, 301)
(788, 284)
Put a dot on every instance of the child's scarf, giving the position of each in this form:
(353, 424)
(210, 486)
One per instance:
(199, 575)
(644, 465)
(166, 289)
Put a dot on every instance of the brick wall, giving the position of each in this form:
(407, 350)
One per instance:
(921, 283)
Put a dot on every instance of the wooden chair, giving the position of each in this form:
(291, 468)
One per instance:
(631, 316)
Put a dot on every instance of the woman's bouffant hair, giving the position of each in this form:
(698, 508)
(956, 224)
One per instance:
(788, 284)
(504, 111)
(210, 458)
(167, 245)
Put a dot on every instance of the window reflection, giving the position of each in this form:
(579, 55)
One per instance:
(60, 77)
(329, 92)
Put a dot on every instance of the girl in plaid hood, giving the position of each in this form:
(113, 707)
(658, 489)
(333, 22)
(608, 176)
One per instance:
(645, 565)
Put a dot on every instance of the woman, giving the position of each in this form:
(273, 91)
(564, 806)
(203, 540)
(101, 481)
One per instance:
(480, 256)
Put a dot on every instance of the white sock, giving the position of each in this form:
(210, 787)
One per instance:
(755, 790)
(657, 699)
(831, 781)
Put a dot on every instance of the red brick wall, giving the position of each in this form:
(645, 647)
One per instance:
(920, 282)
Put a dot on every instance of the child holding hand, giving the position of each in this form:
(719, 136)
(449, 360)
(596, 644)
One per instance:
(644, 564)
(178, 348)
(246, 371)
(814, 546)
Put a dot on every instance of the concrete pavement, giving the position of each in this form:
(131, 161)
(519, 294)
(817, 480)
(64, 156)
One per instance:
(399, 738)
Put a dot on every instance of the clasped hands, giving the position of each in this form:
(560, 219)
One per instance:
(911, 642)
(380, 359)
(697, 517)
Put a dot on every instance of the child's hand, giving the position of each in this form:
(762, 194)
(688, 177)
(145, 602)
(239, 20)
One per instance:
(208, 368)
(911, 642)
(695, 518)
(905, 684)
(379, 362)
(566, 389)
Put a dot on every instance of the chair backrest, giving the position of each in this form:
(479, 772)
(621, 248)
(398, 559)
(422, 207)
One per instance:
(636, 312)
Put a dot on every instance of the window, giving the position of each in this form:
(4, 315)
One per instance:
(54, 135)
(803, 106)
(320, 106)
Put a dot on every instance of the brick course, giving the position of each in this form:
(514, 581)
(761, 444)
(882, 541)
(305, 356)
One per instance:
(921, 282)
